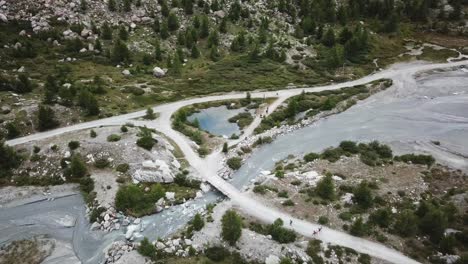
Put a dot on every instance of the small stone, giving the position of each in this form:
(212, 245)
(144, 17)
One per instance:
(126, 73)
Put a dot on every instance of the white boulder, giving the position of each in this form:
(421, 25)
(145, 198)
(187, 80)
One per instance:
(170, 196)
(158, 72)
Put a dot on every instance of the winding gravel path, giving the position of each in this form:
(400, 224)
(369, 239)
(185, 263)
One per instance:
(401, 74)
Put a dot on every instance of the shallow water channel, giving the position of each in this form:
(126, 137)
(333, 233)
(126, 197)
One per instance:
(407, 118)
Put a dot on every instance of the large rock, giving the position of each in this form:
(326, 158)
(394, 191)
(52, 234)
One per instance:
(158, 72)
(170, 196)
(154, 171)
(85, 33)
(126, 73)
(3, 18)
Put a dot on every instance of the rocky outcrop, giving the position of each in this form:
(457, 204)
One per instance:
(154, 171)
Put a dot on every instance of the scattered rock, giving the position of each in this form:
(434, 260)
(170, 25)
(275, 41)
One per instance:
(158, 72)
(126, 73)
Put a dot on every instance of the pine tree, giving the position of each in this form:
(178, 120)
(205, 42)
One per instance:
(123, 33)
(215, 5)
(342, 15)
(98, 45)
(12, 130)
(106, 32)
(111, 5)
(345, 35)
(254, 54)
(196, 22)
(189, 40)
(164, 8)
(120, 52)
(176, 67)
(329, 38)
(188, 7)
(157, 51)
(127, 5)
(181, 38)
(326, 188)
(235, 11)
(164, 30)
(195, 53)
(88, 102)
(213, 39)
(223, 26)
(77, 167)
(198, 222)
(225, 147)
(362, 195)
(50, 89)
(83, 5)
(46, 118)
(172, 22)
(156, 25)
(231, 227)
(214, 54)
(204, 27)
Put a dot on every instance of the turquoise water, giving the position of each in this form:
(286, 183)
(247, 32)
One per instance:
(215, 120)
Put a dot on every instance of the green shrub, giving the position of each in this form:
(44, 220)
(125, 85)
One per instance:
(323, 220)
(198, 223)
(349, 146)
(92, 133)
(95, 215)
(358, 228)
(260, 189)
(346, 216)
(133, 200)
(101, 163)
(281, 234)
(279, 174)
(113, 138)
(288, 202)
(36, 149)
(234, 163)
(326, 188)
(73, 145)
(86, 184)
(332, 154)
(217, 254)
(146, 248)
(311, 157)
(416, 159)
(123, 129)
(202, 151)
(283, 194)
(122, 167)
(146, 142)
(77, 167)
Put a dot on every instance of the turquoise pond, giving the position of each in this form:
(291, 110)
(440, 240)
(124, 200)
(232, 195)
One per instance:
(215, 120)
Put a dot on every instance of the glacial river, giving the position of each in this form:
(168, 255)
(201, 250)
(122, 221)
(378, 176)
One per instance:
(435, 108)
